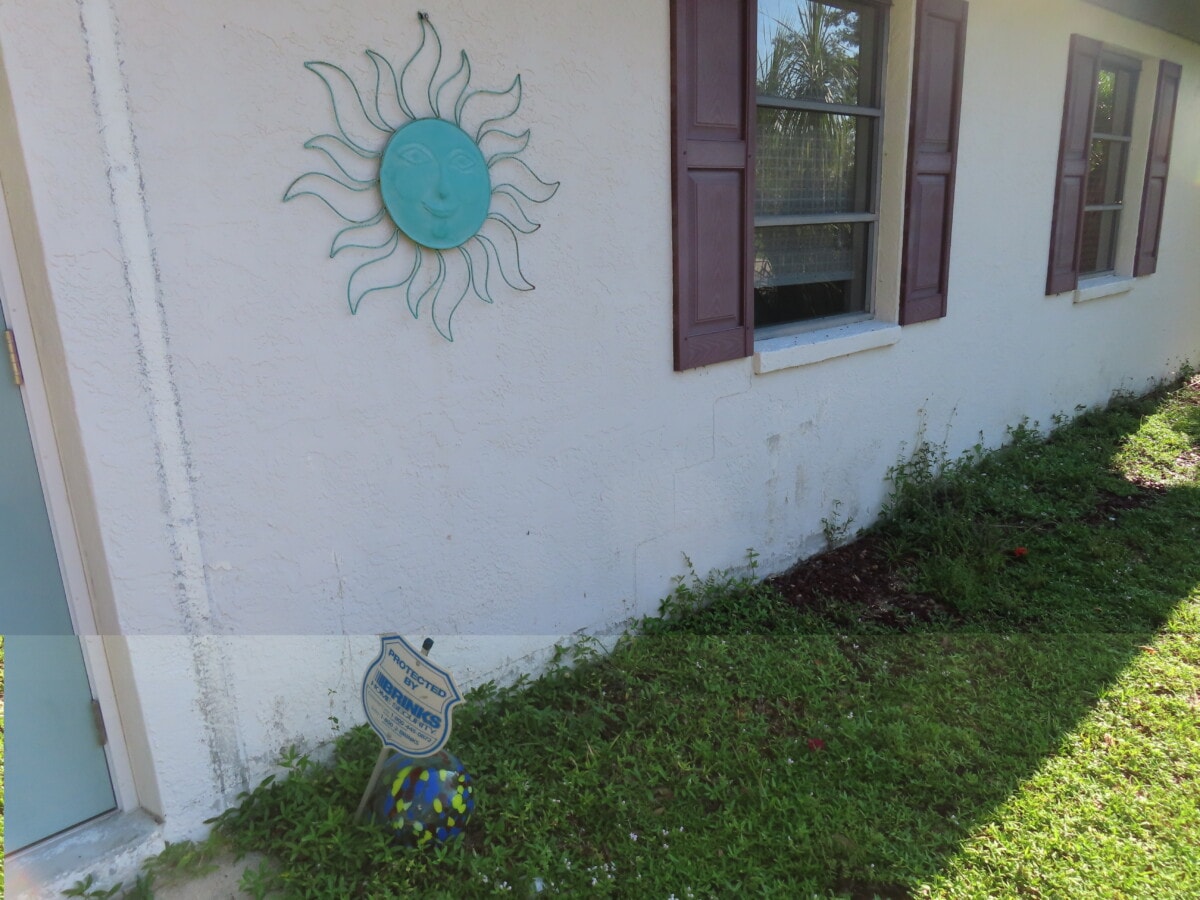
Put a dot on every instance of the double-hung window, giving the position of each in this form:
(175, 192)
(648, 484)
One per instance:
(1108, 158)
(818, 105)
(1094, 164)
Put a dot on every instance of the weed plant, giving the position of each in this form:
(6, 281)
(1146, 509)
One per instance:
(1042, 739)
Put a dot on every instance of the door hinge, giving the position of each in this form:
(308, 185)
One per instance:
(14, 360)
(98, 721)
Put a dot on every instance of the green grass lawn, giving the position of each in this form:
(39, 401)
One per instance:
(1039, 738)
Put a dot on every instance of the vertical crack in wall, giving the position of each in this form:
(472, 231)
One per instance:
(110, 98)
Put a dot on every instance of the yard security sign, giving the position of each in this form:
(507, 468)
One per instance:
(407, 698)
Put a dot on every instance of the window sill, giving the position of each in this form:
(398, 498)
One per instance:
(1104, 286)
(773, 354)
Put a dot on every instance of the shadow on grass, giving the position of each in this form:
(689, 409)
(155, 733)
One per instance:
(814, 760)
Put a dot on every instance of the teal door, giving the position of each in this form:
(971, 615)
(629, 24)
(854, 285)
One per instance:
(55, 769)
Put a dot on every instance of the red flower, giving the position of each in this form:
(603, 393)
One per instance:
(815, 744)
(1019, 552)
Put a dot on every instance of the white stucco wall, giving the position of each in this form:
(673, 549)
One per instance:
(261, 463)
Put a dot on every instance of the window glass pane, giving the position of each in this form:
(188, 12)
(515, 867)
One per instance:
(1105, 88)
(1099, 242)
(807, 163)
(811, 51)
(1114, 100)
(808, 271)
(1106, 171)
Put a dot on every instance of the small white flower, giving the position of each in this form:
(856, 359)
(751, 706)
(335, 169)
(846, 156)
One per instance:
(850, 715)
(633, 836)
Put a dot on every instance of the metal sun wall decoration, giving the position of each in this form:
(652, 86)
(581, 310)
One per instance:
(433, 188)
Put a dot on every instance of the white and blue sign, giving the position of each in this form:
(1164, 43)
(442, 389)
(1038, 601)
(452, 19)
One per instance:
(407, 698)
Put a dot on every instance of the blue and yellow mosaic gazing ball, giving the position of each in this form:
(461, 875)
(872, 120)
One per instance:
(424, 800)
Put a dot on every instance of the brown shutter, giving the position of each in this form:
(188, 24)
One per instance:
(713, 133)
(1157, 159)
(1066, 228)
(932, 152)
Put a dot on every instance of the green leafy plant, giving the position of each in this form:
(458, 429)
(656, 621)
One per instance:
(834, 527)
(185, 859)
(86, 887)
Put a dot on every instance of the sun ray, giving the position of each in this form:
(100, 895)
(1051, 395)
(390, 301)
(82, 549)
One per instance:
(354, 291)
(522, 224)
(351, 200)
(510, 144)
(532, 187)
(480, 285)
(382, 92)
(413, 111)
(515, 91)
(434, 286)
(439, 305)
(369, 235)
(522, 283)
(341, 142)
(464, 72)
(326, 144)
(399, 80)
(437, 64)
(413, 307)
(511, 213)
(505, 102)
(344, 83)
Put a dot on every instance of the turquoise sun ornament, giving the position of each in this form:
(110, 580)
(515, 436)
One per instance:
(428, 177)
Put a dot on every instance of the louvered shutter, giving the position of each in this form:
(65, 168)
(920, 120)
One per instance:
(1157, 159)
(932, 153)
(1066, 227)
(713, 133)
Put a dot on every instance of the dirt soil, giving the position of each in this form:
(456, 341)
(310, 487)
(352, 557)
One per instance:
(863, 583)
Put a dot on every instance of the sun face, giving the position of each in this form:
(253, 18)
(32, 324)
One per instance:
(430, 183)
(435, 183)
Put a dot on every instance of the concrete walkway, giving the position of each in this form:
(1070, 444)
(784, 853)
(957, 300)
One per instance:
(219, 885)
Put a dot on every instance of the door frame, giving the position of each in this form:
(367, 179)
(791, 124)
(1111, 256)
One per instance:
(59, 506)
